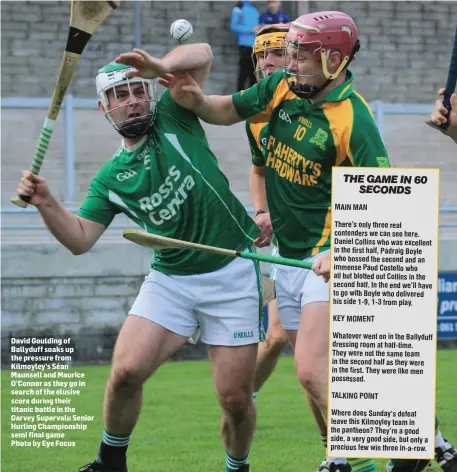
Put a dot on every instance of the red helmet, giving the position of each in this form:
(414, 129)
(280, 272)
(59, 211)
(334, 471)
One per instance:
(321, 33)
(331, 29)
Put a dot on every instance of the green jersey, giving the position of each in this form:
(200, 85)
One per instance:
(304, 140)
(170, 184)
(257, 136)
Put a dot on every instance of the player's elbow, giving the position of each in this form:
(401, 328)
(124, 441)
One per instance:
(81, 247)
(206, 52)
(78, 250)
(258, 171)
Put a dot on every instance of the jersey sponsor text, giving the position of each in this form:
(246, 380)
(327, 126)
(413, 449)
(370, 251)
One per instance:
(162, 198)
(290, 165)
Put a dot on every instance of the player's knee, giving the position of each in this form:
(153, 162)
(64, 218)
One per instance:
(235, 402)
(310, 381)
(306, 377)
(276, 340)
(125, 377)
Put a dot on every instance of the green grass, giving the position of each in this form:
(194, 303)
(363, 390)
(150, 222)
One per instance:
(179, 423)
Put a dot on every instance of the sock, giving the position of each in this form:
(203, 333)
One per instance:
(324, 440)
(335, 461)
(439, 441)
(232, 464)
(113, 449)
(254, 395)
(362, 465)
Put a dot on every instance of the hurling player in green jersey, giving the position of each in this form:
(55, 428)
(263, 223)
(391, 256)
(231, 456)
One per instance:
(316, 121)
(167, 180)
(268, 57)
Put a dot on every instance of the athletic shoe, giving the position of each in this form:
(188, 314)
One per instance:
(446, 456)
(330, 466)
(97, 467)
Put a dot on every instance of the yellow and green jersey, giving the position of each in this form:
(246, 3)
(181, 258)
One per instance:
(300, 145)
(257, 136)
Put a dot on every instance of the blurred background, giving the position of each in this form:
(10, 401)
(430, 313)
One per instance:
(403, 61)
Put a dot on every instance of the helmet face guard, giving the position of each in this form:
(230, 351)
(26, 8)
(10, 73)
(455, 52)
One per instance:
(112, 78)
(269, 38)
(293, 79)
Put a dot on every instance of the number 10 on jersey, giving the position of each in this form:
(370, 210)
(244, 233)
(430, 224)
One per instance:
(300, 133)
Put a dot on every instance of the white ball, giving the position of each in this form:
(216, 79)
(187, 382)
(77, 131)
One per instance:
(181, 30)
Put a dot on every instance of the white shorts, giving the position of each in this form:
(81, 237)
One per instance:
(224, 306)
(295, 288)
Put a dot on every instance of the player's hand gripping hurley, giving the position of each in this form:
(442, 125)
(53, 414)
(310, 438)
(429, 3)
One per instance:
(85, 18)
(450, 86)
(154, 241)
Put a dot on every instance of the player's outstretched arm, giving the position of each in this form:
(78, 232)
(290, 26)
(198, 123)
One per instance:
(440, 115)
(195, 59)
(214, 109)
(77, 234)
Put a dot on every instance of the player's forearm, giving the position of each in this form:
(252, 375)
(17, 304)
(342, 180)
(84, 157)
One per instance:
(188, 57)
(257, 188)
(218, 110)
(64, 225)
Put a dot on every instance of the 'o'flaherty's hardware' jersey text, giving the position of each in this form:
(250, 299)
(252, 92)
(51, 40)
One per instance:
(301, 144)
(170, 184)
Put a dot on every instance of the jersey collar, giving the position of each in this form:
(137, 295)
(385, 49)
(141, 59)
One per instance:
(137, 146)
(342, 91)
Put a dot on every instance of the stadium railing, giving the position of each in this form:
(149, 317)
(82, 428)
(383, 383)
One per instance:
(380, 110)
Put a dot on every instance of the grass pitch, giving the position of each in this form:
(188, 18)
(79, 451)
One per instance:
(178, 430)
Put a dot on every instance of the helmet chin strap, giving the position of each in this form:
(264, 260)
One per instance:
(310, 91)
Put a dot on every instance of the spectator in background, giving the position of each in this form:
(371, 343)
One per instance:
(273, 15)
(245, 23)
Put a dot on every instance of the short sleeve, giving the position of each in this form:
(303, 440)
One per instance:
(96, 206)
(256, 103)
(257, 156)
(367, 147)
(365, 143)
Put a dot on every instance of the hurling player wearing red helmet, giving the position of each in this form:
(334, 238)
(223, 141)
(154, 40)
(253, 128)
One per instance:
(316, 121)
(268, 57)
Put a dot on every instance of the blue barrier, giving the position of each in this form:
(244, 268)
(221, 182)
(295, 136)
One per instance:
(447, 305)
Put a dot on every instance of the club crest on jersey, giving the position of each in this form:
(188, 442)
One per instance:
(383, 161)
(319, 138)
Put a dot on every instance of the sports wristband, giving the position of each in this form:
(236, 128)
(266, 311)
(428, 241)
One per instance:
(259, 212)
